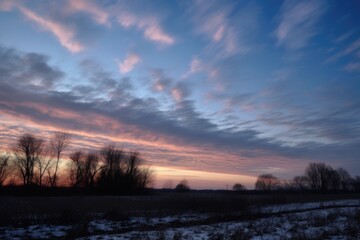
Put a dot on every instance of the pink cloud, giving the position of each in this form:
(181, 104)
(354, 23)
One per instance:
(7, 5)
(177, 94)
(229, 33)
(219, 34)
(150, 27)
(129, 63)
(158, 86)
(99, 15)
(298, 23)
(64, 34)
(197, 66)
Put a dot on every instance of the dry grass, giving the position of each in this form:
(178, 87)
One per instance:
(80, 209)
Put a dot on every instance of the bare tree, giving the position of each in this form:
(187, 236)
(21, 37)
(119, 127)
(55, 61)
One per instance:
(345, 178)
(238, 187)
(4, 167)
(77, 169)
(334, 180)
(123, 172)
(132, 172)
(319, 175)
(111, 172)
(145, 178)
(267, 182)
(58, 143)
(91, 169)
(43, 164)
(132, 164)
(27, 151)
(356, 183)
(299, 183)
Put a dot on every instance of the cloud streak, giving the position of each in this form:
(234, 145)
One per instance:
(99, 15)
(180, 134)
(149, 25)
(352, 48)
(128, 63)
(229, 31)
(202, 84)
(64, 34)
(297, 23)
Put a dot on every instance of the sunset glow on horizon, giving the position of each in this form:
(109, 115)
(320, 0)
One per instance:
(214, 92)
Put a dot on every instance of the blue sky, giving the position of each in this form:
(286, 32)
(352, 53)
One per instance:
(233, 87)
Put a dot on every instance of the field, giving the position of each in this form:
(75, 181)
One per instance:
(195, 215)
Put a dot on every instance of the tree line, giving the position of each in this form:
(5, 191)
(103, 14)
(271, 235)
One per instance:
(317, 177)
(35, 162)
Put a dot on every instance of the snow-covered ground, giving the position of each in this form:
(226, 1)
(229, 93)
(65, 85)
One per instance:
(318, 220)
(34, 232)
(306, 206)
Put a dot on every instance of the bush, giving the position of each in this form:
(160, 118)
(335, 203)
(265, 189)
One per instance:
(182, 186)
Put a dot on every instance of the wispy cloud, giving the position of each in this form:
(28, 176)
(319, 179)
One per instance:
(7, 5)
(128, 63)
(160, 81)
(197, 65)
(149, 25)
(350, 49)
(227, 29)
(64, 34)
(298, 21)
(344, 36)
(179, 92)
(183, 133)
(352, 67)
(99, 15)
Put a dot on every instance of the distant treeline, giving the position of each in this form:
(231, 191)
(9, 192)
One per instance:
(33, 163)
(317, 177)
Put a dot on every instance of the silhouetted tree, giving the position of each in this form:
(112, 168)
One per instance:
(345, 179)
(4, 167)
(299, 183)
(77, 169)
(182, 186)
(112, 174)
(145, 178)
(27, 152)
(91, 169)
(238, 187)
(356, 183)
(267, 182)
(334, 180)
(42, 165)
(319, 175)
(58, 144)
(136, 178)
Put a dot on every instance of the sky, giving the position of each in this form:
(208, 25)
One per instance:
(215, 92)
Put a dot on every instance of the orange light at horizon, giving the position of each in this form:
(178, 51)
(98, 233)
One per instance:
(169, 177)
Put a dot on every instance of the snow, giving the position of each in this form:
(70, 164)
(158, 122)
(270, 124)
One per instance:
(287, 221)
(304, 206)
(34, 231)
(330, 223)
